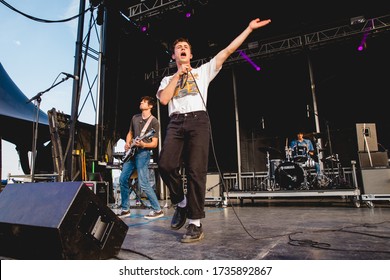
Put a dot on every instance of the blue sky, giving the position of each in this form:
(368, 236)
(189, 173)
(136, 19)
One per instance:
(34, 53)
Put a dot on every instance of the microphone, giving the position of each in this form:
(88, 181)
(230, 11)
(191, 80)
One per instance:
(70, 76)
(308, 111)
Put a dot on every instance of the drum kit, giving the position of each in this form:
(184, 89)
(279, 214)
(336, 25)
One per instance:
(294, 171)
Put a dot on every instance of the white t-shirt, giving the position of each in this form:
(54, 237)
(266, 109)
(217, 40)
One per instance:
(192, 95)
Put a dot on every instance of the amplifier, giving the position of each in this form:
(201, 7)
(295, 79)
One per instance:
(99, 188)
(373, 159)
(376, 181)
(213, 188)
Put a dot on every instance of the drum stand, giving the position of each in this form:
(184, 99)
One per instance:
(339, 179)
(305, 184)
(267, 181)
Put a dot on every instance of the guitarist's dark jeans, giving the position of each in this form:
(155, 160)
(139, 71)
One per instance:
(187, 140)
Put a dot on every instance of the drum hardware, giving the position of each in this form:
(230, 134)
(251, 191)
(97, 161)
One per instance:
(300, 153)
(269, 181)
(310, 163)
(331, 158)
(316, 135)
(339, 179)
(320, 181)
(288, 152)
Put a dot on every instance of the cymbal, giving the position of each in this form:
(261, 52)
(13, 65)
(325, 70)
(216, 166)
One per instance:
(269, 149)
(330, 159)
(314, 135)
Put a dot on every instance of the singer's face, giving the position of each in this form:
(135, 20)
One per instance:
(182, 52)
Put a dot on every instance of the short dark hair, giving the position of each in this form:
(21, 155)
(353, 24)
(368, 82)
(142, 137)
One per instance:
(181, 39)
(149, 99)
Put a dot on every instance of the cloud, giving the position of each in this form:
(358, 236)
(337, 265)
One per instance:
(72, 10)
(18, 43)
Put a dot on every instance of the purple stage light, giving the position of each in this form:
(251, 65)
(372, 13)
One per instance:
(144, 28)
(250, 61)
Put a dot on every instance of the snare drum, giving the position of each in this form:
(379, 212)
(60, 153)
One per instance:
(300, 153)
(289, 175)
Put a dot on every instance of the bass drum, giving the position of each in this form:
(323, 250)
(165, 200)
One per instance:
(289, 175)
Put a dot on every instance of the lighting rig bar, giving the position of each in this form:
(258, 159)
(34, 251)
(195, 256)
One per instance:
(374, 25)
(153, 8)
(293, 44)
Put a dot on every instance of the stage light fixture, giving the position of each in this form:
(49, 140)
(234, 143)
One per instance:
(144, 27)
(100, 15)
(363, 44)
(244, 55)
(362, 47)
(357, 20)
(189, 12)
(253, 45)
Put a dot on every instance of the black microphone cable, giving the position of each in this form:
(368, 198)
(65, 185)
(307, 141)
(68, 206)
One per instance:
(219, 170)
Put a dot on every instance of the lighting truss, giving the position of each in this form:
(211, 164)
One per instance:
(151, 8)
(293, 44)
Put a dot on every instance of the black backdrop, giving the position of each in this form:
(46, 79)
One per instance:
(350, 86)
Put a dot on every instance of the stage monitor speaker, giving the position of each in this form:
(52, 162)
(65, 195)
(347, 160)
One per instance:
(57, 220)
(373, 160)
(366, 137)
(376, 181)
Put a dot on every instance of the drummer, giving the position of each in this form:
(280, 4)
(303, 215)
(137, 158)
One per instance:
(303, 152)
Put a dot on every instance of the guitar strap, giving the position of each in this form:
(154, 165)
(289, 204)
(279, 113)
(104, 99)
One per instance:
(146, 126)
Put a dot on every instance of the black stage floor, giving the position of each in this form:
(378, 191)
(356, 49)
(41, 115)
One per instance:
(330, 228)
(324, 237)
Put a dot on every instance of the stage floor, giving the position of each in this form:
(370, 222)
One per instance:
(330, 228)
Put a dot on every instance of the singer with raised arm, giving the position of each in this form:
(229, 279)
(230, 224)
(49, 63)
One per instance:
(188, 132)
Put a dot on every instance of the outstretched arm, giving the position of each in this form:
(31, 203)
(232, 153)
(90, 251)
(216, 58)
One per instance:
(237, 42)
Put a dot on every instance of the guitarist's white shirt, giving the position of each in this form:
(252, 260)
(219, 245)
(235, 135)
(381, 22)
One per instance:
(186, 99)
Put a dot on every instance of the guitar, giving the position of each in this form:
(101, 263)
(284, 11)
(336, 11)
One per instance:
(133, 148)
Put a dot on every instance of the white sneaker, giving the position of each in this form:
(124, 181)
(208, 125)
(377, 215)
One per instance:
(124, 213)
(154, 215)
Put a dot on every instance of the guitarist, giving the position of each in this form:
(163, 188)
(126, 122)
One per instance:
(140, 160)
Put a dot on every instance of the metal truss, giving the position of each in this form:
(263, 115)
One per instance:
(373, 26)
(293, 44)
(150, 8)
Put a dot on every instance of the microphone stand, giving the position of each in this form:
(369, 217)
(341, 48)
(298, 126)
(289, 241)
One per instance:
(254, 161)
(330, 149)
(38, 100)
(329, 142)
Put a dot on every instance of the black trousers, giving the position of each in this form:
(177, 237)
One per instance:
(187, 141)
